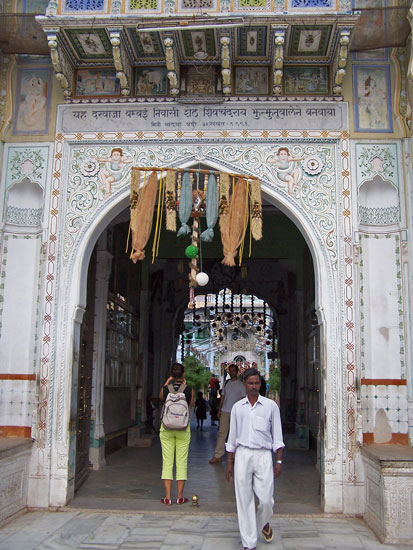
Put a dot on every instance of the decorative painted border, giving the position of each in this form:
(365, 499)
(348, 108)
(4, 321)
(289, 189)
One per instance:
(64, 9)
(350, 375)
(388, 169)
(198, 5)
(24, 161)
(141, 9)
(358, 56)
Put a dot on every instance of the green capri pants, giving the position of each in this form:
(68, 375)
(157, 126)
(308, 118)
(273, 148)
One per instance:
(175, 441)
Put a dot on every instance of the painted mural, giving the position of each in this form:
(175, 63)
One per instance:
(31, 114)
(373, 98)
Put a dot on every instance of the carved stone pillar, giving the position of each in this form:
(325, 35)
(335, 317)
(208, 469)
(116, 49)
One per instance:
(97, 431)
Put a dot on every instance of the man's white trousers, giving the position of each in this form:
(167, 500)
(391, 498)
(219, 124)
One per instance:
(253, 475)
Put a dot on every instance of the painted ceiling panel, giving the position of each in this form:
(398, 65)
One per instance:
(306, 41)
(198, 41)
(252, 42)
(146, 45)
(90, 45)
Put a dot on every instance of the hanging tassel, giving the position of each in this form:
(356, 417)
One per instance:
(158, 225)
(244, 227)
(185, 205)
(143, 217)
(233, 227)
(223, 197)
(211, 209)
(133, 200)
(170, 201)
(256, 210)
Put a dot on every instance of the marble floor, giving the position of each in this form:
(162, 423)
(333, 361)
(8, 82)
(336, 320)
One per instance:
(164, 530)
(131, 480)
(118, 508)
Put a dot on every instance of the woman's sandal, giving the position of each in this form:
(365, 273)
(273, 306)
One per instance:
(267, 533)
(167, 501)
(181, 500)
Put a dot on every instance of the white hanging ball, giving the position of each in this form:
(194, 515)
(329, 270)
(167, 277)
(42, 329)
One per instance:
(202, 278)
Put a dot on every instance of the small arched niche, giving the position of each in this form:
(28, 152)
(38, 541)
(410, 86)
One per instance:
(378, 202)
(24, 204)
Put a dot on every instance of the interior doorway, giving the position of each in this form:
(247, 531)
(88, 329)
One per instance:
(145, 309)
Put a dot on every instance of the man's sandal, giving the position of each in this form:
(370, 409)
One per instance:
(181, 500)
(267, 533)
(166, 501)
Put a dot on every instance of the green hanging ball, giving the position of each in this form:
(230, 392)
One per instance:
(191, 251)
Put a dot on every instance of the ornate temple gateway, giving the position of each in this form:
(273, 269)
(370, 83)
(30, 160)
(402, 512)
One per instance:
(312, 99)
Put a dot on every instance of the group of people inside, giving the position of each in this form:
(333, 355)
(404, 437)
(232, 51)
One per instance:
(249, 431)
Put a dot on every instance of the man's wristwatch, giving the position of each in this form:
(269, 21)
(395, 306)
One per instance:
(279, 461)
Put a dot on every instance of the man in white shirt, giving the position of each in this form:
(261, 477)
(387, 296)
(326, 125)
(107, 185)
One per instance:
(233, 391)
(255, 432)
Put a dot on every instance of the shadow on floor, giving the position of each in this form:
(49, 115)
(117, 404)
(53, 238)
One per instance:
(131, 481)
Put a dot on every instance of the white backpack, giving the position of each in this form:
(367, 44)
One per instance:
(175, 412)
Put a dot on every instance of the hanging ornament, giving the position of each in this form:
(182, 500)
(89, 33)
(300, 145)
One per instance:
(202, 278)
(191, 251)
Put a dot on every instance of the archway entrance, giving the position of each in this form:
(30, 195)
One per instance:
(144, 309)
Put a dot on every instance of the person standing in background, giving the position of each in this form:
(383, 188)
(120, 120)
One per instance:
(232, 392)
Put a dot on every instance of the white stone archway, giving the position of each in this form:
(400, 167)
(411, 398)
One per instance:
(79, 213)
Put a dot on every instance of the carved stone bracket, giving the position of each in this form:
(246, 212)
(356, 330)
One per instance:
(60, 61)
(121, 61)
(226, 65)
(341, 60)
(171, 65)
(278, 61)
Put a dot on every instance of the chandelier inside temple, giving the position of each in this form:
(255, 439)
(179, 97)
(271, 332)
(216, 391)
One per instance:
(228, 322)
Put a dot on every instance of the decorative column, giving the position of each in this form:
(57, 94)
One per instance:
(279, 40)
(341, 60)
(97, 431)
(226, 65)
(171, 65)
(63, 453)
(121, 61)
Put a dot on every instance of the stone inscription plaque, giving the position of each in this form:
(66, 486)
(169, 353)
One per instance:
(175, 117)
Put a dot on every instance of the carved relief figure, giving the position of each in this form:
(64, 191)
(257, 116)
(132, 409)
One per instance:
(114, 169)
(286, 168)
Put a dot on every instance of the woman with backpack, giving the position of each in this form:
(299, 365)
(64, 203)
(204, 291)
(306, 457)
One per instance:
(175, 432)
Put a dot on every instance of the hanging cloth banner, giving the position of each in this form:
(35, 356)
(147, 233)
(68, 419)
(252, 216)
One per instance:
(256, 210)
(234, 225)
(235, 204)
(142, 213)
(211, 209)
(170, 201)
(185, 205)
